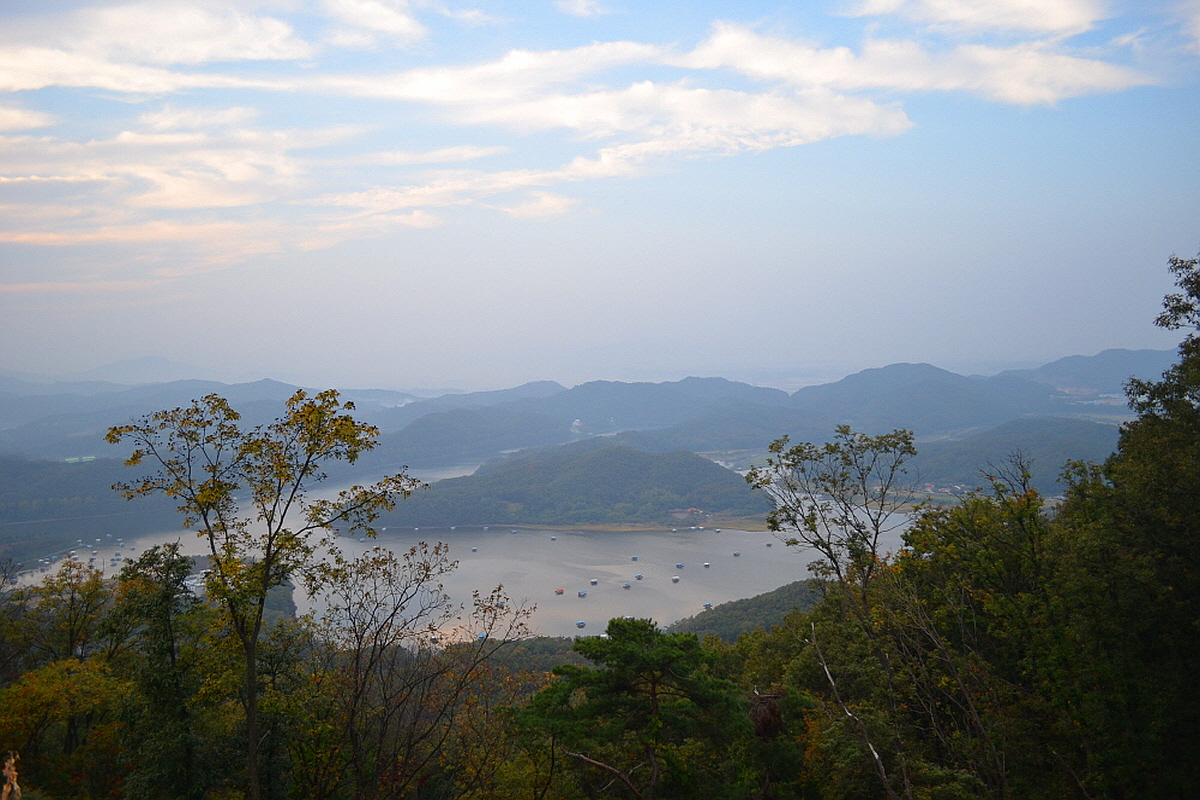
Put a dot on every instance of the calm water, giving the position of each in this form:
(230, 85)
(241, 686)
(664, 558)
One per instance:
(530, 563)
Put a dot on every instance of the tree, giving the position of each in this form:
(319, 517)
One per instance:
(839, 498)
(649, 717)
(67, 614)
(395, 663)
(200, 456)
(169, 623)
(1134, 578)
(63, 716)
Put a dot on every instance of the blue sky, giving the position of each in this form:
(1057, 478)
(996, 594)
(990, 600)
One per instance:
(474, 194)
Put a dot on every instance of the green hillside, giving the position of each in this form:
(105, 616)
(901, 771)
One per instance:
(1046, 444)
(730, 620)
(581, 485)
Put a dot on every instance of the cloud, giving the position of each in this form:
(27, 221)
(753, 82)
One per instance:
(79, 287)
(1190, 10)
(165, 33)
(364, 22)
(1025, 74)
(27, 68)
(197, 117)
(519, 73)
(737, 120)
(216, 183)
(442, 155)
(671, 121)
(541, 204)
(15, 119)
(582, 8)
(1030, 16)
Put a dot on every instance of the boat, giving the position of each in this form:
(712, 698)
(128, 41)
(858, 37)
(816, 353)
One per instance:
(633, 559)
(708, 606)
(625, 585)
(638, 576)
(582, 593)
(474, 549)
(580, 624)
(594, 581)
(559, 591)
(706, 565)
(675, 579)
(769, 544)
(736, 553)
(678, 565)
(554, 538)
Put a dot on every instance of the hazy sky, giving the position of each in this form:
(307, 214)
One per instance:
(416, 193)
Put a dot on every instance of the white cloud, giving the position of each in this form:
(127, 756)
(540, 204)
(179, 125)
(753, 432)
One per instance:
(1026, 73)
(1031, 16)
(31, 68)
(472, 16)
(162, 33)
(541, 204)
(366, 21)
(15, 119)
(582, 8)
(741, 120)
(1190, 11)
(218, 184)
(677, 122)
(442, 155)
(519, 73)
(193, 118)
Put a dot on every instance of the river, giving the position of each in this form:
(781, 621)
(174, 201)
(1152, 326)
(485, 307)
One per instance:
(531, 563)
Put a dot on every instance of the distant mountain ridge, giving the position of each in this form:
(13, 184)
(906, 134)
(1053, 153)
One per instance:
(1103, 373)
(699, 414)
(601, 452)
(926, 399)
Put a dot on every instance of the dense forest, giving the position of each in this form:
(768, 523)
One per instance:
(1010, 650)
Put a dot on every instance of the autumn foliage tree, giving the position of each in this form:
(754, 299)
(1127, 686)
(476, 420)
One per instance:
(248, 493)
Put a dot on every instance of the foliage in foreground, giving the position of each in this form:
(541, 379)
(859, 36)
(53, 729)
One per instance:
(1009, 651)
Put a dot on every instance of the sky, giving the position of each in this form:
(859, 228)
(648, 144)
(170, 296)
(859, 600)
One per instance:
(475, 194)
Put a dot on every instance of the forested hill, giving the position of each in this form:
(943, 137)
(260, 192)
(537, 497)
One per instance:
(587, 484)
(762, 612)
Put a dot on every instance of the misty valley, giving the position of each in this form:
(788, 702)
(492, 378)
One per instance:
(536, 592)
